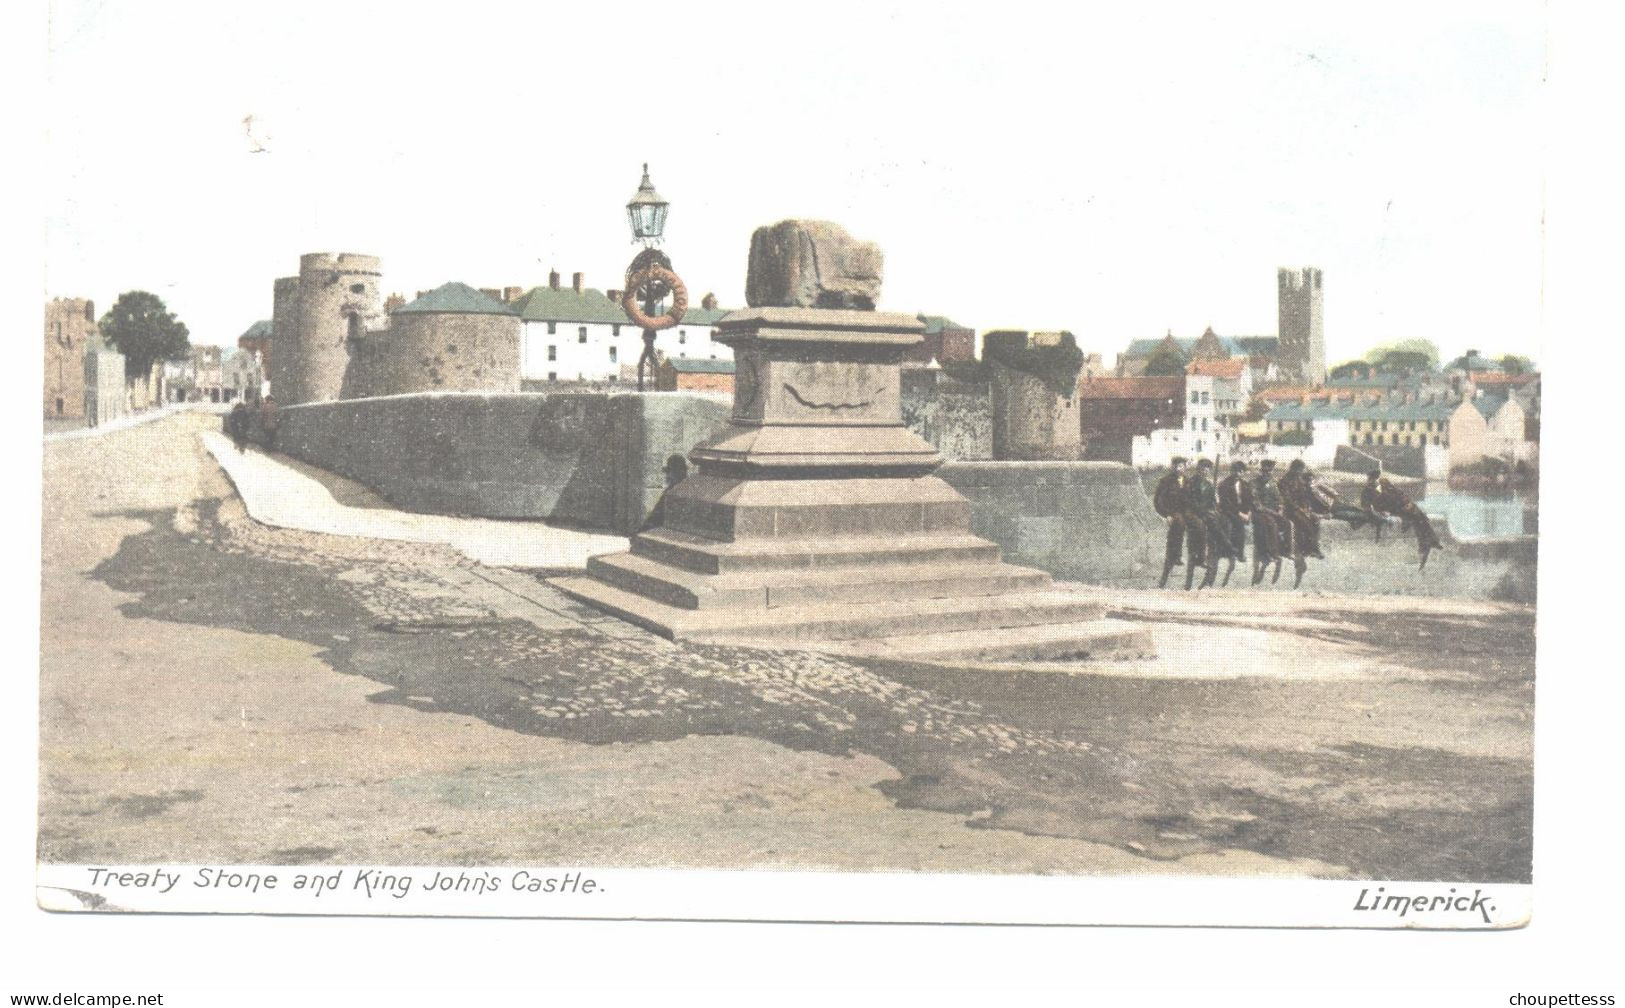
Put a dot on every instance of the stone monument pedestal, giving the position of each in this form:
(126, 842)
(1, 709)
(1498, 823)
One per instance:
(813, 520)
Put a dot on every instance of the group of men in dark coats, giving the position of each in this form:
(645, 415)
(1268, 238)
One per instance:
(1209, 521)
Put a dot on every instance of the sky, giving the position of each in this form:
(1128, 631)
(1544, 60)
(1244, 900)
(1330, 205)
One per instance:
(1119, 174)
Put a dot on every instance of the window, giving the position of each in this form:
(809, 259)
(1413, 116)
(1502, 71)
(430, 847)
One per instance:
(1204, 398)
(552, 328)
(552, 376)
(552, 353)
(1195, 397)
(613, 356)
(1204, 423)
(614, 330)
(682, 335)
(581, 335)
(1198, 447)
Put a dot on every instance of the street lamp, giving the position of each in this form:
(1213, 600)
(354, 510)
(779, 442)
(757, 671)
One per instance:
(650, 278)
(647, 212)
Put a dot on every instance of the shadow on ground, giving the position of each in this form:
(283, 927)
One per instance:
(1165, 768)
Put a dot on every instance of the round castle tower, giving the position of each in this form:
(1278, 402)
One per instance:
(337, 301)
(451, 339)
(284, 339)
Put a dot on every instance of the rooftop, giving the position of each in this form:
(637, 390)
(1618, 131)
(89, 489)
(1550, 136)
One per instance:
(685, 365)
(456, 298)
(1342, 410)
(566, 304)
(1235, 346)
(1133, 388)
(1231, 368)
(258, 331)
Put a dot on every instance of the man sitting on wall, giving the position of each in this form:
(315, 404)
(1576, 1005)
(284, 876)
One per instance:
(1169, 500)
(1380, 498)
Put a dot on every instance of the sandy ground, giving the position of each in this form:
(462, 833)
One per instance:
(217, 690)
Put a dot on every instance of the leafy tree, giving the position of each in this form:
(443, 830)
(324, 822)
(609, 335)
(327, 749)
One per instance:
(1350, 369)
(1403, 361)
(1166, 361)
(144, 330)
(1055, 364)
(1425, 348)
(1516, 364)
(1256, 408)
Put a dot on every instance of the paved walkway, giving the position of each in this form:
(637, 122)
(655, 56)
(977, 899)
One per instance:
(278, 493)
(124, 422)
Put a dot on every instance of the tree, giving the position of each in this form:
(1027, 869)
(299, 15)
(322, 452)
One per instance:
(1406, 361)
(1256, 408)
(1516, 364)
(1425, 348)
(1166, 361)
(144, 330)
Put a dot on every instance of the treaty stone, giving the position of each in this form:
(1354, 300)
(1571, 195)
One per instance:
(812, 264)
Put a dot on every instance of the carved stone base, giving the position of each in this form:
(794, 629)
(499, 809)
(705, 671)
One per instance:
(813, 520)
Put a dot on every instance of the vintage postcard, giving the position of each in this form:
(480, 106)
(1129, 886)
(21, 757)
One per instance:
(921, 468)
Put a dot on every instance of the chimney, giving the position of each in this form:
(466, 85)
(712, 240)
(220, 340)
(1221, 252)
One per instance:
(613, 295)
(575, 282)
(709, 302)
(421, 293)
(512, 293)
(553, 279)
(491, 292)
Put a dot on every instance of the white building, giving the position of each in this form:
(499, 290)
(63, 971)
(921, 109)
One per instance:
(1201, 435)
(578, 333)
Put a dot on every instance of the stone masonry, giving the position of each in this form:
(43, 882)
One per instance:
(814, 517)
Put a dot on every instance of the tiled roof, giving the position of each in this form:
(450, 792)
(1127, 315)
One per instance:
(456, 298)
(1230, 368)
(1133, 388)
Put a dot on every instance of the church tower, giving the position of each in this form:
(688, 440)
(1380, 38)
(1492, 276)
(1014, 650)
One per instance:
(1302, 352)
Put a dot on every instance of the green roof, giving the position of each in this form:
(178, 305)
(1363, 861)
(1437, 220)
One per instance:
(563, 304)
(457, 298)
(259, 330)
(690, 366)
(1437, 410)
(937, 323)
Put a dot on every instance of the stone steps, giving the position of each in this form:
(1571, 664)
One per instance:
(797, 626)
(1094, 640)
(710, 556)
(778, 589)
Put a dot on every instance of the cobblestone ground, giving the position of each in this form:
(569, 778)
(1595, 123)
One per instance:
(214, 689)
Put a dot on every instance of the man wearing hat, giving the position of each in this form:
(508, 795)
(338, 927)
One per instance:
(1305, 504)
(1235, 511)
(1205, 539)
(1169, 500)
(1379, 497)
(1272, 533)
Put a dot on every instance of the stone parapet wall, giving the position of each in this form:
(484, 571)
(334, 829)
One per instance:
(593, 460)
(1081, 521)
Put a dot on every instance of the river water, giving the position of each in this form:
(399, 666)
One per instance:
(1479, 514)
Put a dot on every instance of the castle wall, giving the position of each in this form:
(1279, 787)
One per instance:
(445, 352)
(956, 418)
(284, 377)
(339, 300)
(591, 459)
(1032, 422)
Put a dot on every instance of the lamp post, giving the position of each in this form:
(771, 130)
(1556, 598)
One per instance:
(650, 278)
